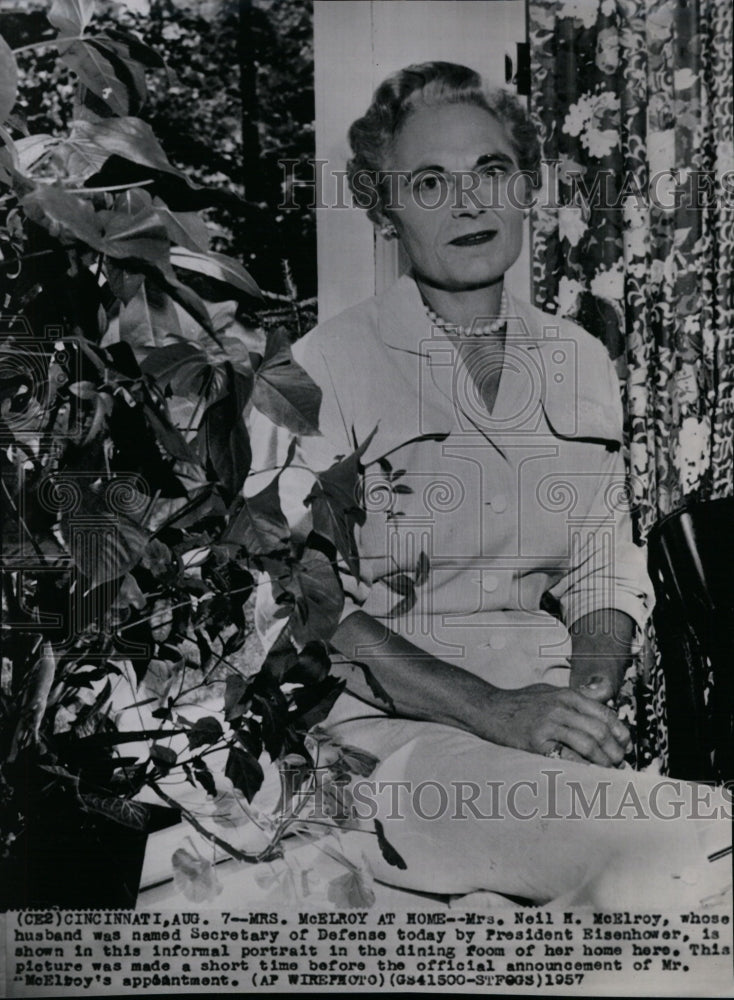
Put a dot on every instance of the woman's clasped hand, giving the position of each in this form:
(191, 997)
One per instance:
(542, 719)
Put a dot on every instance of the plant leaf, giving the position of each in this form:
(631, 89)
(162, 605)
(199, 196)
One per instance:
(80, 159)
(130, 593)
(97, 74)
(422, 569)
(283, 391)
(204, 732)
(404, 606)
(357, 761)
(109, 544)
(136, 48)
(31, 148)
(132, 139)
(64, 215)
(313, 703)
(140, 235)
(183, 366)
(281, 657)
(148, 319)
(195, 877)
(400, 583)
(336, 507)
(123, 811)
(62, 775)
(388, 851)
(168, 436)
(71, 17)
(313, 664)
(270, 703)
(163, 757)
(337, 801)
(250, 737)
(223, 438)
(351, 891)
(185, 297)
(216, 265)
(318, 595)
(244, 771)
(124, 283)
(185, 229)
(260, 525)
(127, 69)
(8, 80)
(374, 685)
(234, 692)
(204, 776)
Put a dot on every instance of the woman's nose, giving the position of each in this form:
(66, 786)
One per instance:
(465, 198)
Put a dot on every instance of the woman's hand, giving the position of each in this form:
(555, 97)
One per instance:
(542, 718)
(539, 718)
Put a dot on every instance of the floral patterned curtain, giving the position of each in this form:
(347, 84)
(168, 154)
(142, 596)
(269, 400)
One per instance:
(633, 235)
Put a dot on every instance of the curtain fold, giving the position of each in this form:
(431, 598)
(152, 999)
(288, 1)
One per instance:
(633, 237)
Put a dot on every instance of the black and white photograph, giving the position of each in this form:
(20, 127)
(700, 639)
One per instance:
(366, 497)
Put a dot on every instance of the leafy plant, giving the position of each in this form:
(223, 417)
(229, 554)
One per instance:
(129, 552)
(238, 76)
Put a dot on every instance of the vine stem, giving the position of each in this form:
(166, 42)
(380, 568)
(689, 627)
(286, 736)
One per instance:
(238, 590)
(45, 43)
(174, 607)
(270, 853)
(286, 299)
(113, 187)
(129, 736)
(215, 748)
(331, 826)
(199, 402)
(221, 658)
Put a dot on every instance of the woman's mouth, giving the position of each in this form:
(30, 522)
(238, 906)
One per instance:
(474, 239)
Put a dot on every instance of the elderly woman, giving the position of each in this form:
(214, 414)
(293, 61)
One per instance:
(503, 427)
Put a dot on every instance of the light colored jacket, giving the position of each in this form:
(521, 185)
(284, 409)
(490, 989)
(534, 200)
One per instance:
(523, 506)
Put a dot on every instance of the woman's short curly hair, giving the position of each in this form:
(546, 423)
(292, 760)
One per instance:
(429, 84)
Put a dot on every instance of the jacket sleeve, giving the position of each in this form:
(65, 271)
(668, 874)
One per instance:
(606, 568)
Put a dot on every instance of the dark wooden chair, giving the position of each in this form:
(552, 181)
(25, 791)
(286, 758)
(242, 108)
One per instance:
(691, 558)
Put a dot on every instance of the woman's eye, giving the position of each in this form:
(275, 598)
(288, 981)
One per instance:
(427, 182)
(493, 170)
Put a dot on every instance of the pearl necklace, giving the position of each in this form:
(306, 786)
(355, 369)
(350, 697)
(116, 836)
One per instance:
(471, 331)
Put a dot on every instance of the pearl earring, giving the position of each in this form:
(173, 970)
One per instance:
(388, 231)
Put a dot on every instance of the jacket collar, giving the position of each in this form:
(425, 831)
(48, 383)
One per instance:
(577, 399)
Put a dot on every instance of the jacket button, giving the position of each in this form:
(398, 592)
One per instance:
(489, 582)
(498, 503)
(498, 641)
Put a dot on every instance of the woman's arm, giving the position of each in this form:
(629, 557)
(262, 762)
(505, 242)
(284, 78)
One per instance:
(600, 653)
(535, 718)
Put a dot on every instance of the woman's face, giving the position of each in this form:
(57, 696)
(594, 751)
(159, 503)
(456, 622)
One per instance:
(458, 210)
